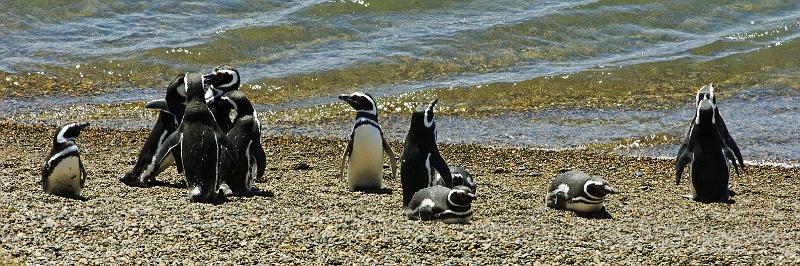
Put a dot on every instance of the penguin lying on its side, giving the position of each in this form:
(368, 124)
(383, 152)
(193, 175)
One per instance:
(707, 151)
(577, 191)
(441, 203)
(201, 143)
(421, 155)
(245, 134)
(63, 173)
(366, 146)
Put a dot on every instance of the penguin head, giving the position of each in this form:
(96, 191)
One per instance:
(706, 92)
(362, 102)
(194, 85)
(238, 102)
(422, 119)
(461, 196)
(598, 188)
(224, 78)
(70, 132)
(705, 113)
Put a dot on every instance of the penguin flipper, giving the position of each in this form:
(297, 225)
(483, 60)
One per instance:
(392, 157)
(730, 155)
(261, 161)
(83, 172)
(347, 151)
(683, 158)
(728, 140)
(167, 146)
(438, 163)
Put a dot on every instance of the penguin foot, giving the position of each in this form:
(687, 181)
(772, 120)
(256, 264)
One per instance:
(131, 181)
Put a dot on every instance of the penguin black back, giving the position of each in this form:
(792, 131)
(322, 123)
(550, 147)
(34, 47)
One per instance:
(245, 135)
(421, 155)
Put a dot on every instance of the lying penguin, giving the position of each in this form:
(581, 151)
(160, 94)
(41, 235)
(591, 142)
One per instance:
(366, 146)
(441, 203)
(245, 134)
(201, 143)
(706, 149)
(63, 173)
(577, 191)
(421, 156)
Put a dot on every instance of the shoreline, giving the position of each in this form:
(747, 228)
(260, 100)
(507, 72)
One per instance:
(312, 217)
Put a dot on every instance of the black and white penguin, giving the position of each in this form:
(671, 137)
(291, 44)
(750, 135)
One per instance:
(421, 155)
(246, 138)
(707, 92)
(577, 191)
(441, 203)
(170, 113)
(201, 144)
(461, 177)
(365, 148)
(222, 79)
(706, 149)
(63, 173)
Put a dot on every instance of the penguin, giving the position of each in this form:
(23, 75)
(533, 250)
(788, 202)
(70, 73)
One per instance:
(707, 92)
(420, 154)
(245, 134)
(222, 79)
(170, 113)
(366, 146)
(707, 151)
(201, 144)
(441, 203)
(577, 191)
(63, 173)
(461, 177)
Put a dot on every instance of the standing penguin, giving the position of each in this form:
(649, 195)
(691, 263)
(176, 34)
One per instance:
(707, 92)
(201, 144)
(170, 113)
(441, 203)
(577, 191)
(420, 154)
(246, 138)
(705, 148)
(366, 146)
(222, 79)
(63, 173)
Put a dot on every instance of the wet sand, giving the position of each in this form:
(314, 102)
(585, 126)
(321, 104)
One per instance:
(313, 219)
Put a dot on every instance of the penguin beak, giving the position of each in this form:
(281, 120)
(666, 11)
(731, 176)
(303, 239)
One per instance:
(83, 125)
(434, 102)
(213, 78)
(344, 97)
(610, 189)
(472, 196)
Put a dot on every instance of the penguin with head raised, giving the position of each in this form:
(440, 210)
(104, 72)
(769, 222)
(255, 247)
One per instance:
(577, 191)
(202, 144)
(246, 138)
(421, 155)
(222, 79)
(170, 113)
(705, 148)
(441, 203)
(461, 177)
(707, 92)
(364, 152)
(63, 173)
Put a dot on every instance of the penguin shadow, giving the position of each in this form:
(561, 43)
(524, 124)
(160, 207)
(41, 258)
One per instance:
(600, 215)
(159, 183)
(377, 191)
(259, 193)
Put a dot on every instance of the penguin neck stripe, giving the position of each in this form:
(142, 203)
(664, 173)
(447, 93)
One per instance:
(585, 200)
(428, 122)
(450, 198)
(63, 153)
(586, 190)
(61, 138)
(366, 114)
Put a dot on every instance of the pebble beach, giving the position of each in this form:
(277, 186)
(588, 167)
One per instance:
(307, 216)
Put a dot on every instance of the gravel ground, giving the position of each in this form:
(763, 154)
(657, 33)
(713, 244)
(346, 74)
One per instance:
(312, 219)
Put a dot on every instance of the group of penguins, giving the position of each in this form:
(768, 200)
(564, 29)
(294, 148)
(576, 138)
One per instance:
(220, 157)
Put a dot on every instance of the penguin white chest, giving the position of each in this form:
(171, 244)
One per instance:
(365, 169)
(586, 206)
(65, 177)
